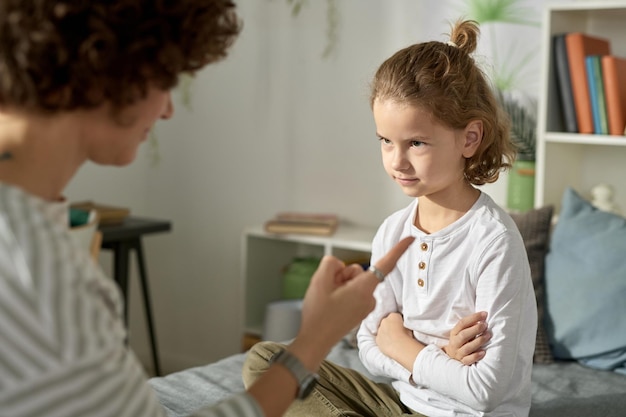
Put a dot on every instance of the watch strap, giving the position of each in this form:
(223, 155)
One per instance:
(306, 379)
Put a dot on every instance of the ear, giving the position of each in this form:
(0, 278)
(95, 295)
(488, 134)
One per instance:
(473, 136)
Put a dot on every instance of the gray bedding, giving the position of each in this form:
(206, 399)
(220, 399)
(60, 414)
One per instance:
(559, 389)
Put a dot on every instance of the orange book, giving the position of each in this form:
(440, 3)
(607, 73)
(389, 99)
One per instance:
(614, 74)
(579, 45)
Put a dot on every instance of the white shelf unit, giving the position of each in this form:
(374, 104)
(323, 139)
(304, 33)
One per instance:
(265, 255)
(576, 160)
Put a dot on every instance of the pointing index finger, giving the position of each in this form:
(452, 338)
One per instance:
(386, 264)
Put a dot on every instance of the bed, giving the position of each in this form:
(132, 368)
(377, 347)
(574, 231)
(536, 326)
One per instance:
(559, 389)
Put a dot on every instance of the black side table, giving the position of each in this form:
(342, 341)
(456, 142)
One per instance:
(121, 239)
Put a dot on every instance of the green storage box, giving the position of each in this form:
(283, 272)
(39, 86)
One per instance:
(297, 276)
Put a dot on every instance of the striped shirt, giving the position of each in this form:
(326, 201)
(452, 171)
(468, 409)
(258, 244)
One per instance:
(63, 348)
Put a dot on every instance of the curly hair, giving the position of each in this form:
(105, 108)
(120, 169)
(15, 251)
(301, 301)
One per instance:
(78, 54)
(444, 79)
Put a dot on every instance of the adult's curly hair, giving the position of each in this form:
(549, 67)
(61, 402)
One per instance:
(444, 79)
(78, 54)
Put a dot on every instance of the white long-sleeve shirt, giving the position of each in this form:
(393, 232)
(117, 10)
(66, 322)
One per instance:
(478, 263)
(62, 336)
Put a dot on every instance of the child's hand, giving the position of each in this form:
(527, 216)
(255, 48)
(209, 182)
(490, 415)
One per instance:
(397, 342)
(467, 338)
(392, 333)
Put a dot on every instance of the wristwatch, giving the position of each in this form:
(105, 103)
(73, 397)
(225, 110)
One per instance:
(306, 379)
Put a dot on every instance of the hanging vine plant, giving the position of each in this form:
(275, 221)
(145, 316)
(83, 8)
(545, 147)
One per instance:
(332, 22)
(185, 83)
(184, 91)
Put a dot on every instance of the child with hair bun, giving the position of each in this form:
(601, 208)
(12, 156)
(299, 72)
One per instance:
(455, 322)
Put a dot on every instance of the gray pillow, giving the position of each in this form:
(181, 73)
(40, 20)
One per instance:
(534, 226)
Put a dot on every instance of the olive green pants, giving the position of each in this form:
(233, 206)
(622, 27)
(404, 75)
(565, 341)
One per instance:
(340, 391)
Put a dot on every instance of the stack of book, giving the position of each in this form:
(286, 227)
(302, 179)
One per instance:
(107, 215)
(303, 223)
(591, 83)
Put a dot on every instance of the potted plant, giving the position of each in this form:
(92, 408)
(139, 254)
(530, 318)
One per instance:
(521, 180)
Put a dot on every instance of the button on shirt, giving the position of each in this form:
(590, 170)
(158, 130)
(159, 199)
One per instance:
(478, 263)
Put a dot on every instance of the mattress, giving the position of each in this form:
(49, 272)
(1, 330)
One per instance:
(559, 389)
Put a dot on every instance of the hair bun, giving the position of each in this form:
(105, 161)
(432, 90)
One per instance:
(464, 35)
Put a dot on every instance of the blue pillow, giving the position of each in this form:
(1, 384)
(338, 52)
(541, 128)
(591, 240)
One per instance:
(585, 281)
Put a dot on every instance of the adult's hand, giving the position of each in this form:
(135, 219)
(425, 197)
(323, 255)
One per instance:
(337, 299)
(467, 339)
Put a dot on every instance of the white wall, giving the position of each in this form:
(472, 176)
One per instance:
(274, 127)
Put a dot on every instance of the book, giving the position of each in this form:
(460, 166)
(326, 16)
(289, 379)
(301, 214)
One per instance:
(614, 73)
(308, 217)
(303, 223)
(106, 214)
(596, 94)
(579, 45)
(564, 84)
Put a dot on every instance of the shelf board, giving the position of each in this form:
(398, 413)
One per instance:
(587, 6)
(253, 330)
(580, 139)
(346, 237)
